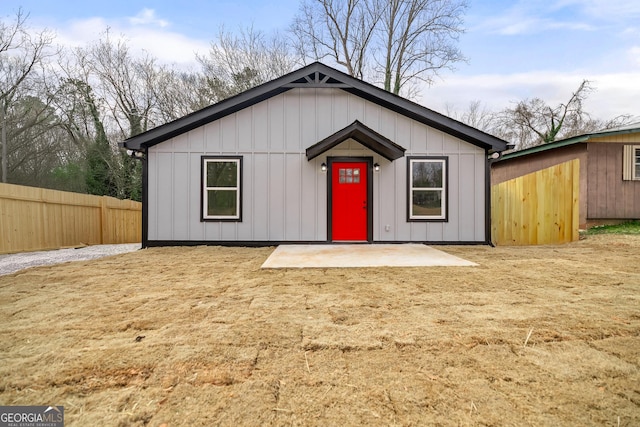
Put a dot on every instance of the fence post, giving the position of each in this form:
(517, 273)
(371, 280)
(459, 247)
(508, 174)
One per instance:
(104, 230)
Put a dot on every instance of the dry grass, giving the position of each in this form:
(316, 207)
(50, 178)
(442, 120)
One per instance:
(203, 336)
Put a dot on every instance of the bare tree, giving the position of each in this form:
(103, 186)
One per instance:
(342, 30)
(36, 149)
(179, 93)
(476, 115)
(403, 41)
(20, 54)
(32, 124)
(106, 94)
(419, 39)
(536, 117)
(533, 121)
(125, 83)
(237, 62)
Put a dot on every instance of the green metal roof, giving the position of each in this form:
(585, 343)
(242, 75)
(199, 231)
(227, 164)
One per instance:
(631, 128)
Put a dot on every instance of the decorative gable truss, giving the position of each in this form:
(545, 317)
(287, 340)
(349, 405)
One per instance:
(317, 79)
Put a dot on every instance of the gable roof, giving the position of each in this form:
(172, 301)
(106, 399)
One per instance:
(315, 75)
(365, 136)
(621, 130)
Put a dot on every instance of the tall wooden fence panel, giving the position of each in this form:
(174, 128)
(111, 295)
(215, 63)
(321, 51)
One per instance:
(38, 219)
(537, 209)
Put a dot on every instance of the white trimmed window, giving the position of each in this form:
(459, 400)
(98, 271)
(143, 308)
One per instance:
(427, 185)
(222, 187)
(631, 163)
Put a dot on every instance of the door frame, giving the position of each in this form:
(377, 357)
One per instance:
(342, 159)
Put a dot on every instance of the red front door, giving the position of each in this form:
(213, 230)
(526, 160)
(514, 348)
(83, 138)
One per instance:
(349, 204)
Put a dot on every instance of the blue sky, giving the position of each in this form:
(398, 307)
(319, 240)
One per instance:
(515, 49)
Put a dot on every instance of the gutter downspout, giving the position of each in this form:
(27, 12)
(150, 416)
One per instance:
(487, 198)
(145, 201)
(491, 158)
(142, 156)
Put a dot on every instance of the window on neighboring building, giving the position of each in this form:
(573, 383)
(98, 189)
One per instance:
(427, 185)
(636, 164)
(222, 187)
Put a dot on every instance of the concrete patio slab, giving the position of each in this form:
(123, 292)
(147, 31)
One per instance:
(376, 255)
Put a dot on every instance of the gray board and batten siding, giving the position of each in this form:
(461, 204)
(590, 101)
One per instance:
(285, 195)
(281, 132)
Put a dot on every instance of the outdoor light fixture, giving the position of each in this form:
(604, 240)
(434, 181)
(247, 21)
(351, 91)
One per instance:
(495, 155)
(376, 167)
(135, 154)
(323, 167)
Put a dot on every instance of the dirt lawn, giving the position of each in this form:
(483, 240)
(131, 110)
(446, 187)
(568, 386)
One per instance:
(202, 336)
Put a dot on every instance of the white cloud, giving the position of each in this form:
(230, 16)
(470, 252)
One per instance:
(610, 10)
(631, 32)
(146, 17)
(513, 26)
(634, 55)
(510, 27)
(616, 93)
(536, 16)
(559, 25)
(79, 33)
(167, 46)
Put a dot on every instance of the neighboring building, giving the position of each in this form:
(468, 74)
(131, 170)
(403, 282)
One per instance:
(315, 156)
(609, 171)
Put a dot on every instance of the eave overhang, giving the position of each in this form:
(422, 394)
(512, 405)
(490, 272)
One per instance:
(316, 75)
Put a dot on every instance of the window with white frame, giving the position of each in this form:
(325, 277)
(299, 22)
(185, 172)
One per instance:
(427, 185)
(222, 188)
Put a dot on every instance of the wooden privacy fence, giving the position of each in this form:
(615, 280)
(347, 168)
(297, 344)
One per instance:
(537, 209)
(38, 219)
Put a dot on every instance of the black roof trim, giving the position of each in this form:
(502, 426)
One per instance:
(365, 136)
(315, 75)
